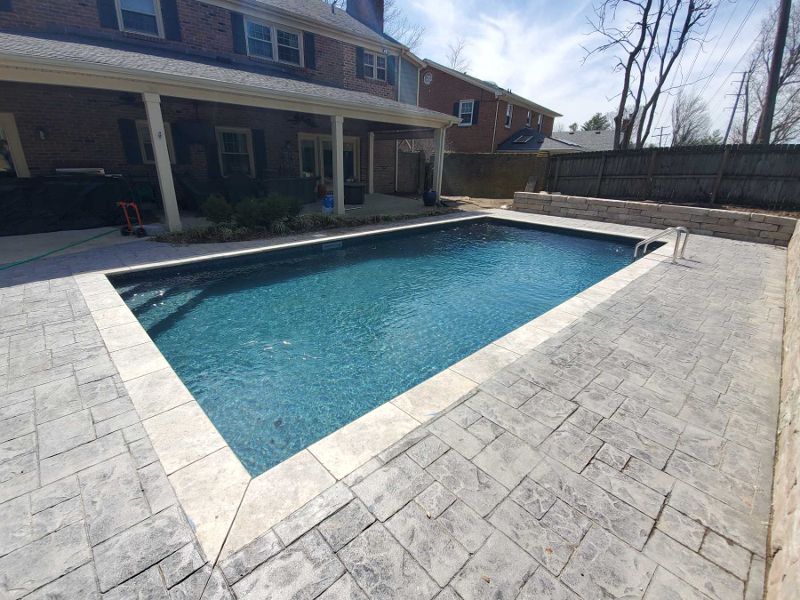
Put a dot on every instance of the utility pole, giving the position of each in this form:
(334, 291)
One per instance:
(765, 126)
(735, 106)
(661, 133)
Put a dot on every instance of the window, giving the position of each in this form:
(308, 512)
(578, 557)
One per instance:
(235, 151)
(465, 110)
(140, 16)
(509, 114)
(273, 43)
(374, 66)
(316, 157)
(528, 119)
(538, 122)
(146, 144)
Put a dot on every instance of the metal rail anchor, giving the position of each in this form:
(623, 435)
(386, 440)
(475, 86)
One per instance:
(679, 248)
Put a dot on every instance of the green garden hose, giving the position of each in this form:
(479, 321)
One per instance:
(49, 252)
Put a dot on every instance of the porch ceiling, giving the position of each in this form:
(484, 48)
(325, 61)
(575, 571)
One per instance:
(55, 61)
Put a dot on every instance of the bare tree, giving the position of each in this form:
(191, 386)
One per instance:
(646, 37)
(691, 123)
(455, 55)
(397, 25)
(786, 122)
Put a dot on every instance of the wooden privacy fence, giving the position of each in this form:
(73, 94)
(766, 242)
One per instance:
(756, 176)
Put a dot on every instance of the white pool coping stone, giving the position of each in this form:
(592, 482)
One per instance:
(228, 508)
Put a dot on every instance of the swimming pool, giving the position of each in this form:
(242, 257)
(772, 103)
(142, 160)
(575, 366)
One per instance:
(282, 348)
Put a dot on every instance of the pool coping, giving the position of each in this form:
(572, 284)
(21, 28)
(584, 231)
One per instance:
(226, 506)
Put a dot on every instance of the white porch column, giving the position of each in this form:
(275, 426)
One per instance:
(371, 177)
(337, 148)
(155, 123)
(438, 168)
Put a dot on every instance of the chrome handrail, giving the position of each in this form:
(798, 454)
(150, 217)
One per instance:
(675, 254)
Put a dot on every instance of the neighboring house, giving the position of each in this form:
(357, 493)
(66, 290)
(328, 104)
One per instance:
(486, 112)
(203, 89)
(595, 140)
(530, 140)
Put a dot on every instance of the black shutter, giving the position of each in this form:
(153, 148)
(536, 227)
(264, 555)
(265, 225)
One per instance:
(259, 152)
(212, 161)
(180, 142)
(360, 63)
(475, 108)
(456, 109)
(5, 5)
(172, 24)
(107, 11)
(391, 70)
(237, 25)
(130, 141)
(309, 50)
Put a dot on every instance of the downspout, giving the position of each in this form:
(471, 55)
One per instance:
(496, 114)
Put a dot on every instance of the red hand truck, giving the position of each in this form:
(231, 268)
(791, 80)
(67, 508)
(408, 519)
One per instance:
(129, 228)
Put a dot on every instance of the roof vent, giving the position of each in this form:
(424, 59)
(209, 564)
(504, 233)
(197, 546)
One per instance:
(523, 139)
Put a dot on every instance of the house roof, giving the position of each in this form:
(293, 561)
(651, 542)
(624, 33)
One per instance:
(591, 141)
(531, 140)
(490, 86)
(313, 11)
(55, 60)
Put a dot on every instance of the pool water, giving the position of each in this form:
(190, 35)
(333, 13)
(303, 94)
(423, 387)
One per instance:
(282, 349)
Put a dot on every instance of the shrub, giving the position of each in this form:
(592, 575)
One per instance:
(261, 212)
(216, 209)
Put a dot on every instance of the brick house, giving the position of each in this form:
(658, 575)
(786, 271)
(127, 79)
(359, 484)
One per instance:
(199, 90)
(488, 114)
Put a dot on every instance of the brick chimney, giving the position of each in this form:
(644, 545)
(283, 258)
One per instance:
(369, 12)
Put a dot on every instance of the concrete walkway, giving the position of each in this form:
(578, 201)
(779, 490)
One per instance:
(630, 455)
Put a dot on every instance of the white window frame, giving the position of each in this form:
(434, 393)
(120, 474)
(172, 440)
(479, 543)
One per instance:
(374, 66)
(539, 122)
(319, 151)
(9, 125)
(143, 127)
(158, 15)
(249, 140)
(529, 119)
(461, 111)
(274, 28)
(509, 115)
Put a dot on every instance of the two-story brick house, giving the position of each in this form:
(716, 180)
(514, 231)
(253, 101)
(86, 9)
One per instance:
(202, 89)
(488, 114)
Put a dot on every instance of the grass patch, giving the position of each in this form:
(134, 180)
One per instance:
(232, 232)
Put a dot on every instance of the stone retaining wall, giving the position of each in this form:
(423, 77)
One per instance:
(745, 226)
(784, 572)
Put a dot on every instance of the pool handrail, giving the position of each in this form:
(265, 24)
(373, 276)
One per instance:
(680, 230)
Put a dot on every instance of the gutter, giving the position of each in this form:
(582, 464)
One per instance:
(496, 114)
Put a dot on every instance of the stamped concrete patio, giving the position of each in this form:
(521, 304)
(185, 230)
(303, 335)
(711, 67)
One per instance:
(626, 452)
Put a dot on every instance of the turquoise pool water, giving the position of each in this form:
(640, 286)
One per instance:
(282, 349)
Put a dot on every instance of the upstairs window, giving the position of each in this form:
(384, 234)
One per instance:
(374, 66)
(538, 122)
(273, 43)
(509, 115)
(529, 119)
(140, 16)
(466, 108)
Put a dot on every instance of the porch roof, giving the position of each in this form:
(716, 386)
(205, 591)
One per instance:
(58, 61)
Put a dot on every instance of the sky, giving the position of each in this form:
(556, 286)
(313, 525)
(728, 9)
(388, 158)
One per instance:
(536, 48)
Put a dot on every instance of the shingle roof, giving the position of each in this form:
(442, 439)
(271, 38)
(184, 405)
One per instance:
(493, 87)
(319, 11)
(591, 141)
(114, 59)
(538, 142)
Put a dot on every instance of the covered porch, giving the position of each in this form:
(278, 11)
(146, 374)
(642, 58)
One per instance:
(193, 128)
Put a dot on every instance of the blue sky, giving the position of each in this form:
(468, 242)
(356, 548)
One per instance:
(535, 48)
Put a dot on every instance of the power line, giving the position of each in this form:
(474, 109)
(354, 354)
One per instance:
(730, 45)
(661, 133)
